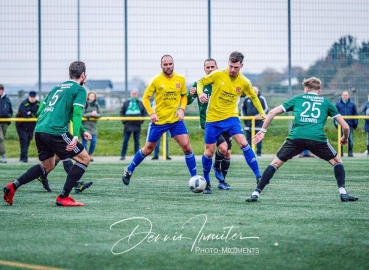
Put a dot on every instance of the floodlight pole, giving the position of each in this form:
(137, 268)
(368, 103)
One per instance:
(289, 59)
(39, 49)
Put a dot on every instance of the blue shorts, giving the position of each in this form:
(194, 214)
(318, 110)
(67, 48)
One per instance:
(214, 129)
(155, 131)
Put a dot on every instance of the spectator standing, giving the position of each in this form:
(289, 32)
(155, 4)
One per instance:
(6, 111)
(365, 111)
(249, 109)
(27, 109)
(132, 107)
(92, 112)
(347, 107)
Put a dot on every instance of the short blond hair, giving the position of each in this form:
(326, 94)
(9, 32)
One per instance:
(312, 83)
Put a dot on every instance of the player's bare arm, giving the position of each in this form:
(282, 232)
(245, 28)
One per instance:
(261, 134)
(345, 129)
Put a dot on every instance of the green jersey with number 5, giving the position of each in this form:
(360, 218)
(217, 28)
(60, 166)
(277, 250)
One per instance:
(311, 112)
(58, 107)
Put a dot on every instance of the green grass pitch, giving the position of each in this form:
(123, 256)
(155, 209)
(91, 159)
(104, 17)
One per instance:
(158, 223)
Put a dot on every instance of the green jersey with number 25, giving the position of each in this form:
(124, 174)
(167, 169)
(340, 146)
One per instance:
(311, 112)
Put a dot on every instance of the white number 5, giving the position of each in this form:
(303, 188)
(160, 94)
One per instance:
(55, 97)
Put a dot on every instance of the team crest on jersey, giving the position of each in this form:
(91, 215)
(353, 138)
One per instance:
(238, 89)
(178, 85)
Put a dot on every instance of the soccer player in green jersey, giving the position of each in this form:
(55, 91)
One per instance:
(222, 112)
(64, 103)
(224, 143)
(311, 112)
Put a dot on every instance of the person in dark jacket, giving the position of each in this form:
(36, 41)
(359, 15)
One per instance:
(365, 111)
(6, 111)
(132, 107)
(347, 107)
(248, 109)
(27, 109)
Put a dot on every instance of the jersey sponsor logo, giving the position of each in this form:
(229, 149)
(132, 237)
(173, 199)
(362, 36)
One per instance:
(308, 120)
(49, 109)
(170, 96)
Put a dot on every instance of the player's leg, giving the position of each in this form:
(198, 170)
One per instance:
(249, 154)
(288, 150)
(327, 152)
(219, 156)
(227, 157)
(82, 160)
(211, 135)
(179, 133)
(153, 135)
(47, 159)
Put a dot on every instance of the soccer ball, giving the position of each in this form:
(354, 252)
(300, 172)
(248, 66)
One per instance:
(197, 183)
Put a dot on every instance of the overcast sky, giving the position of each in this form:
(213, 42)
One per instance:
(157, 27)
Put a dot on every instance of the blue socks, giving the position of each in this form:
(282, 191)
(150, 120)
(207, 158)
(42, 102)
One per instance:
(251, 159)
(137, 159)
(191, 163)
(206, 167)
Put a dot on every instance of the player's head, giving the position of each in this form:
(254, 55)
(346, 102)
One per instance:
(345, 95)
(167, 65)
(311, 84)
(210, 65)
(77, 71)
(235, 63)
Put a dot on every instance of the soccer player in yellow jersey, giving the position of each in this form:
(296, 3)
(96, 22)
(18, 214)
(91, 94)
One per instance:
(170, 96)
(222, 115)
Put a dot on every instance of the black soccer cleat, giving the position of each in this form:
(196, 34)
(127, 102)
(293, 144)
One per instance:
(207, 190)
(252, 198)
(45, 183)
(348, 198)
(81, 186)
(126, 176)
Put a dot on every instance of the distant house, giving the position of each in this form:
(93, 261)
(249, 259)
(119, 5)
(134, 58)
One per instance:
(45, 87)
(105, 97)
(135, 83)
(18, 90)
(103, 86)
